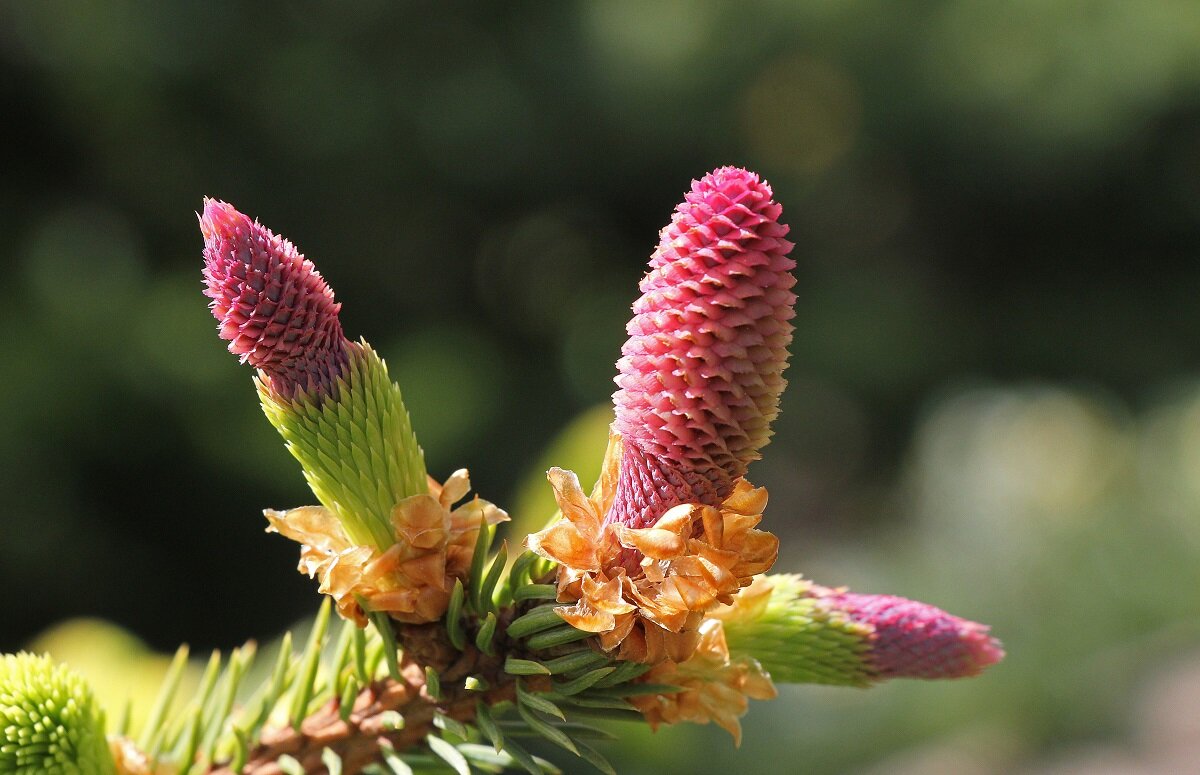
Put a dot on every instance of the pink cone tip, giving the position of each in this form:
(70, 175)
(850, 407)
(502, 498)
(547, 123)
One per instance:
(274, 308)
(917, 640)
(701, 374)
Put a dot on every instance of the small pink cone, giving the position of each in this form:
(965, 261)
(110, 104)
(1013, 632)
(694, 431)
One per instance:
(917, 640)
(273, 306)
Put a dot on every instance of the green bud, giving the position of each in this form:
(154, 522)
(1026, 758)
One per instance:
(49, 721)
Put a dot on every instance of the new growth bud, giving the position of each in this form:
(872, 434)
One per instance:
(386, 537)
(805, 633)
(331, 399)
(702, 371)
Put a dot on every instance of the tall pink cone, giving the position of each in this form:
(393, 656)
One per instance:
(702, 371)
(916, 640)
(273, 306)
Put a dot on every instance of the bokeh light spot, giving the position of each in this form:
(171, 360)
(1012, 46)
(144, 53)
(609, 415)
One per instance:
(453, 380)
(801, 115)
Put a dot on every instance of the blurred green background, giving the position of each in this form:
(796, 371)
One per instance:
(994, 400)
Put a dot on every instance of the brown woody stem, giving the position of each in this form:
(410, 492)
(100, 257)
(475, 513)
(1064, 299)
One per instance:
(357, 741)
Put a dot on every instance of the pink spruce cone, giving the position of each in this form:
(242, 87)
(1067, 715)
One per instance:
(702, 371)
(273, 306)
(917, 640)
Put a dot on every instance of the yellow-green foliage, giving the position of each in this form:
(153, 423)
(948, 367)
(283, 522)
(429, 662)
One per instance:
(124, 673)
